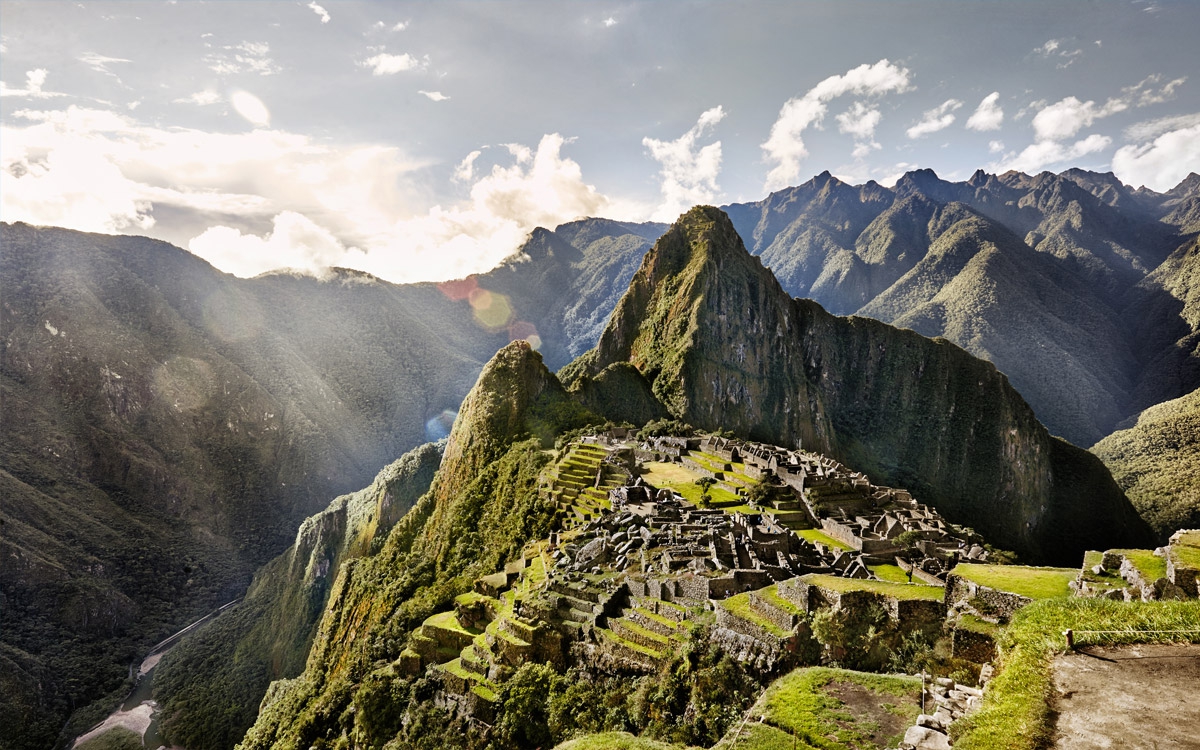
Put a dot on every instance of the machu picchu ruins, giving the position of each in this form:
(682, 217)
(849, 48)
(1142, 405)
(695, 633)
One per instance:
(659, 535)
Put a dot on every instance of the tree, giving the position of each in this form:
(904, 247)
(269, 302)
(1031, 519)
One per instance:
(910, 554)
(705, 484)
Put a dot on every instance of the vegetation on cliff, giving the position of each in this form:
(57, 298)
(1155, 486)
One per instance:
(1157, 462)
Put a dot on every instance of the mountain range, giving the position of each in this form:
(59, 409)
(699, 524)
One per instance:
(168, 427)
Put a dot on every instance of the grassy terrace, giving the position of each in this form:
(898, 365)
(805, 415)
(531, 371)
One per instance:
(816, 535)
(1187, 551)
(1016, 711)
(1148, 565)
(629, 644)
(683, 481)
(1035, 583)
(740, 606)
(805, 710)
(615, 741)
(1108, 580)
(887, 572)
(886, 588)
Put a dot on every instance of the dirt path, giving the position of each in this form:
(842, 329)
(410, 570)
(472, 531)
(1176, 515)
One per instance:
(1143, 697)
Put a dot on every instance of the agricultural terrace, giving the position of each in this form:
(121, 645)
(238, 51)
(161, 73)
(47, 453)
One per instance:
(1022, 580)
(830, 709)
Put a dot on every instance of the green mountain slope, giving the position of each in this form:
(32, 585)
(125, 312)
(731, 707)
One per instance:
(210, 685)
(1157, 462)
(480, 510)
(723, 346)
(1047, 304)
(166, 428)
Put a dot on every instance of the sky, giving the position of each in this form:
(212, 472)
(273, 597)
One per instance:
(422, 141)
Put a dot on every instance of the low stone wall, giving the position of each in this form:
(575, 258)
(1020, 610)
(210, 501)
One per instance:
(729, 620)
(1001, 604)
(779, 617)
(979, 648)
(917, 614)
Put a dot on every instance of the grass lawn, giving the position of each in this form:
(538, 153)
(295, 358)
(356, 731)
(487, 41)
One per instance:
(683, 481)
(1016, 714)
(1187, 551)
(615, 741)
(816, 535)
(1023, 580)
(886, 588)
(740, 606)
(839, 709)
(1149, 566)
(887, 572)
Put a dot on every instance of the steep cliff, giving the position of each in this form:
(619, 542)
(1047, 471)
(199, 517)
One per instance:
(723, 346)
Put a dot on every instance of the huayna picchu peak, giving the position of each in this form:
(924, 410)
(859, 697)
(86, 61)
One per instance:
(724, 347)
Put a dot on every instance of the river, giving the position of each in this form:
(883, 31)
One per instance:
(139, 713)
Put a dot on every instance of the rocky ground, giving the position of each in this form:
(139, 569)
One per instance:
(1128, 697)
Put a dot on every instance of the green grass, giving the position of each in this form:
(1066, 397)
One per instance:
(1016, 707)
(886, 588)
(801, 705)
(740, 606)
(816, 535)
(1035, 583)
(771, 594)
(888, 572)
(447, 621)
(117, 738)
(976, 625)
(630, 644)
(683, 481)
(1149, 566)
(1187, 551)
(456, 668)
(615, 741)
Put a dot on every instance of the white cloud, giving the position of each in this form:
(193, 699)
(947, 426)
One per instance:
(860, 121)
(1162, 163)
(689, 173)
(324, 14)
(200, 98)
(988, 115)
(996, 147)
(465, 171)
(610, 22)
(295, 241)
(1149, 129)
(436, 96)
(1065, 118)
(251, 108)
(1054, 48)
(354, 205)
(247, 57)
(1144, 93)
(34, 80)
(384, 64)
(398, 26)
(100, 63)
(938, 118)
(1042, 154)
(785, 146)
